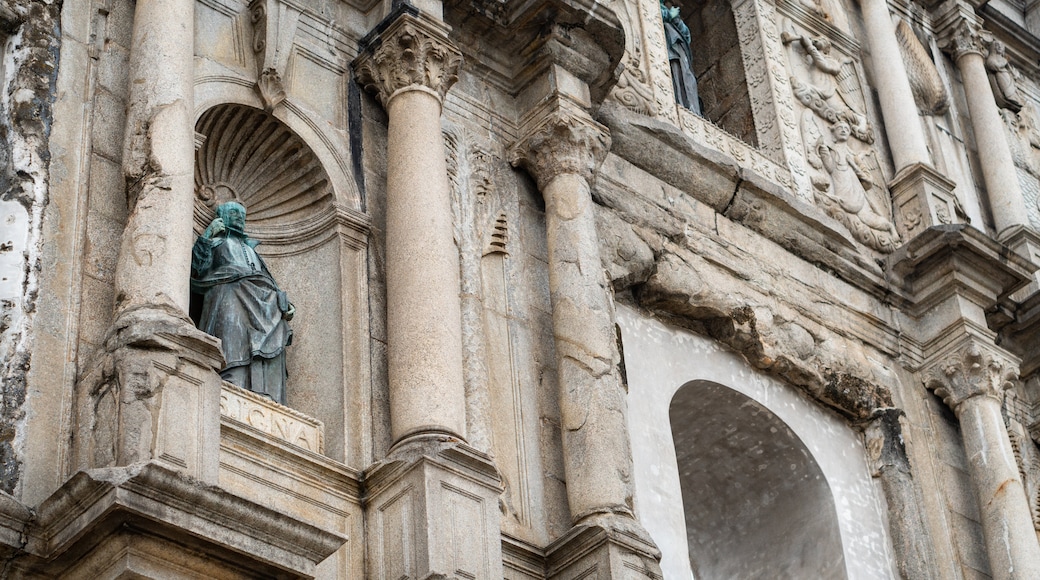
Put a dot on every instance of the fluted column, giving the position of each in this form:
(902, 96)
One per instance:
(961, 36)
(561, 151)
(972, 381)
(410, 70)
(905, 135)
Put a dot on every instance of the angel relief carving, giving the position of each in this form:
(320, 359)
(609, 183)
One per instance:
(844, 169)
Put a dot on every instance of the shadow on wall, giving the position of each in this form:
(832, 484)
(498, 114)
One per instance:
(756, 503)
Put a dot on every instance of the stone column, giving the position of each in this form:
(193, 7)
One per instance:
(909, 146)
(922, 196)
(432, 505)
(961, 35)
(410, 71)
(562, 151)
(972, 380)
(153, 393)
(561, 148)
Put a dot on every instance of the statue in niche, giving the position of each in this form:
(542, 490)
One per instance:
(1003, 78)
(845, 186)
(680, 58)
(241, 304)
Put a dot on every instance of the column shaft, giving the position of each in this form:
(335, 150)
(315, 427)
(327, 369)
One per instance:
(1011, 541)
(905, 135)
(159, 158)
(424, 327)
(597, 458)
(998, 169)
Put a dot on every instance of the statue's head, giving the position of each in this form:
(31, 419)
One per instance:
(998, 47)
(841, 131)
(234, 216)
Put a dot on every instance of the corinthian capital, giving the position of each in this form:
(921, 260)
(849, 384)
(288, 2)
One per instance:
(971, 371)
(566, 140)
(412, 53)
(960, 30)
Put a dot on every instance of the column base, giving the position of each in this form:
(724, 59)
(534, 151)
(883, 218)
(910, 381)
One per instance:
(147, 521)
(153, 394)
(604, 546)
(923, 198)
(432, 512)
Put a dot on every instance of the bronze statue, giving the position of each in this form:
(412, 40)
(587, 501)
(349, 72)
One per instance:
(680, 58)
(241, 304)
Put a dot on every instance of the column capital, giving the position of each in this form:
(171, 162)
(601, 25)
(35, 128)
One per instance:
(971, 370)
(960, 30)
(408, 52)
(566, 140)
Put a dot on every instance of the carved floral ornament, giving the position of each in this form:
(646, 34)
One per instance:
(969, 372)
(564, 141)
(411, 54)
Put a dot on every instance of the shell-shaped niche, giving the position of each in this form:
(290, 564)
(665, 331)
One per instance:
(253, 158)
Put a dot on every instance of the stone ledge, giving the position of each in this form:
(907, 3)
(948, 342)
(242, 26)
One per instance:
(94, 504)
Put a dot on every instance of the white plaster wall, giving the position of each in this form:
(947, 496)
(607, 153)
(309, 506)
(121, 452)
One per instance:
(660, 359)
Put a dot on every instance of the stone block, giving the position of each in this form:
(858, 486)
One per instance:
(433, 512)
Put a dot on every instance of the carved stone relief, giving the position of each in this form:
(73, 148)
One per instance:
(771, 97)
(1024, 141)
(845, 171)
(645, 83)
(927, 86)
(253, 158)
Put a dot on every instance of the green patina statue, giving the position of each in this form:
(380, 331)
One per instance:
(680, 57)
(241, 304)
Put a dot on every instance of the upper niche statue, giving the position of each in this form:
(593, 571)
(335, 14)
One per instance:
(680, 58)
(1004, 78)
(241, 304)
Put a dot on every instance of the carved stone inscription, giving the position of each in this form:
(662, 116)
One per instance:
(273, 419)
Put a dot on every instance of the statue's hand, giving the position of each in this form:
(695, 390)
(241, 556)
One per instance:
(216, 227)
(289, 312)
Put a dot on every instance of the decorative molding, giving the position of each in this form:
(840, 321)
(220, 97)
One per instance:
(412, 53)
(566, 140)
(970, 371)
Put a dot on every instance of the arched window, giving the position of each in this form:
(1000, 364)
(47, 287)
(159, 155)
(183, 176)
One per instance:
(756, 503)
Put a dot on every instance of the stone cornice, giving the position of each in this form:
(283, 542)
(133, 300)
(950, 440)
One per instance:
(957, 259)
(566, 140)
(973, 369)
(175, 507)
(959, 29)
(410, 52)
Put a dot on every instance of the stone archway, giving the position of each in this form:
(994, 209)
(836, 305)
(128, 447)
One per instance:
(756, 503)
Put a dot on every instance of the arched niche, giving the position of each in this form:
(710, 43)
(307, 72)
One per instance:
(755, 501)
(659, 361)
(314, 240)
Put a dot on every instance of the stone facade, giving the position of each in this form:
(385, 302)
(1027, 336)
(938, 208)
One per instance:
(549, 324)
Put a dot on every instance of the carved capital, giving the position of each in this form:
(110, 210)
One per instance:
(971, 371)
(412, 53)
(567, 140)
(960, 31)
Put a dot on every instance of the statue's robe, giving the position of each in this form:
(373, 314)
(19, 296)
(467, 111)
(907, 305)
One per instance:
(243, 307)
(680, 59)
